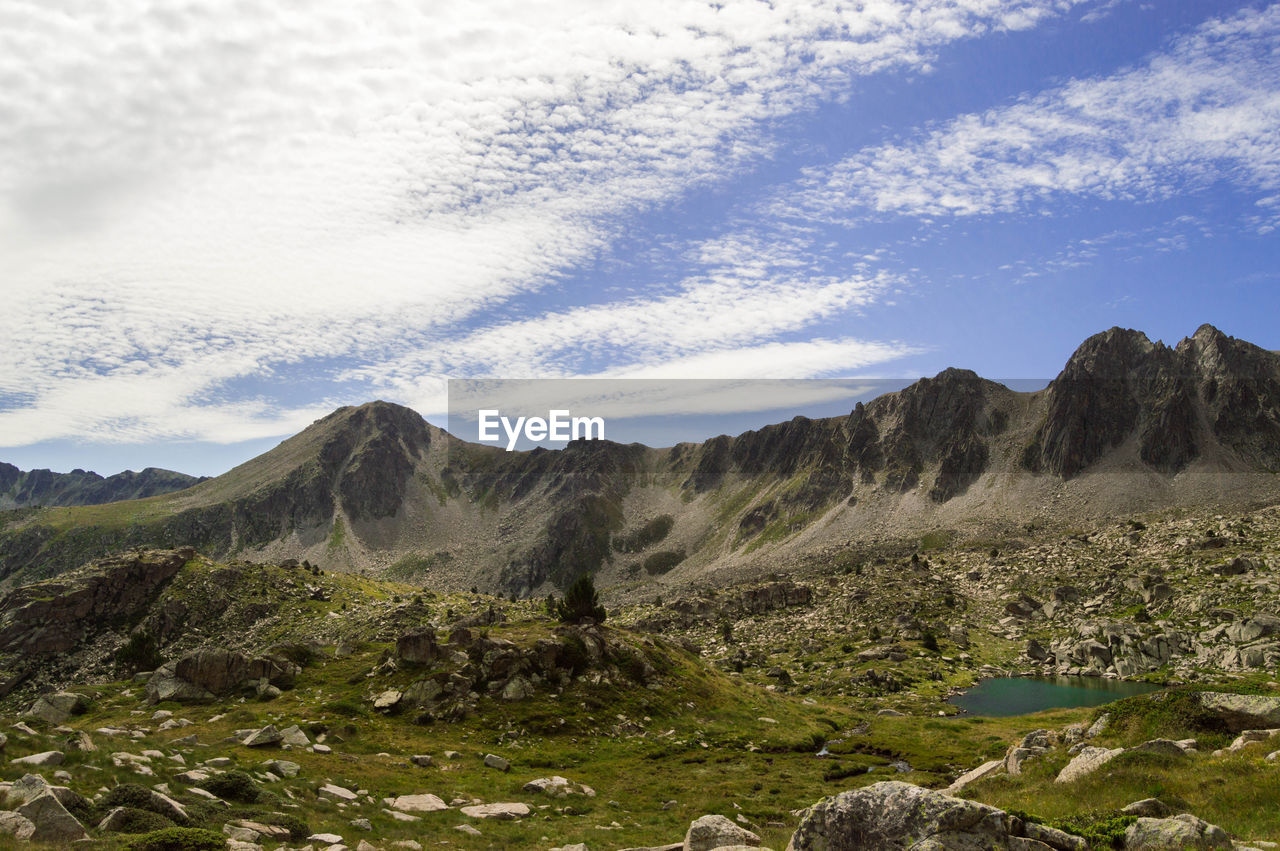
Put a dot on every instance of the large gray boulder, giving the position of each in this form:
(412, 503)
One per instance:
(1089, 760)
(418, 647)
(53, 824)
(1242, 711)
(59, 706)
(1184, 832)
(891, 815)
(218, 672)
(714, 831)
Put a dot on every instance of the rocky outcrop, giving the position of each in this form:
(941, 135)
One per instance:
(216, 672)
(52, 617)
(892, 815)
(1241, 712)
(471, 664)
(758, 600)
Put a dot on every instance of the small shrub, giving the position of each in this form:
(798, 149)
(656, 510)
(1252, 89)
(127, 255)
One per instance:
(134, 820)
(298, 829)
(345, 706)
(136, 797)
(233, 786)
(662, 562)
(179, 839)
(930, 641)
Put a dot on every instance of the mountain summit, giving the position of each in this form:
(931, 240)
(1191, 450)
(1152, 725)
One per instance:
(1127, 425)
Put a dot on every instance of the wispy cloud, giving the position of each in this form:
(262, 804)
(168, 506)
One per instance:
(1205, 110)
(195, 194)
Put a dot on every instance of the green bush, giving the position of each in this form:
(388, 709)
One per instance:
(134, 820)
(298, 829)
(127, 795)
(662, 562)
(233, 786)
(299, 653)
(179, 839)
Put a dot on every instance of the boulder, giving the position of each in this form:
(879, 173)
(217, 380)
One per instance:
(558, 787)
(984, 770)
(1168, 747)
(422, 803)
(418, 647)
(495, 761)
(504, 811)
(1242, 711)
(388, 700)
(44, 758)
(53, 824)
(265, 737)
(218, 672)
(1148, 808)
(891, 815)
(1184, 832)
(715, 831)
(59, 706)
(1087, 761)
(16, 825)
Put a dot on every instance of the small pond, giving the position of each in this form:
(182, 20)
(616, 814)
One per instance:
(1023, 695)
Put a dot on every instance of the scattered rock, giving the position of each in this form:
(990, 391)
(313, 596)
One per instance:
(495, 761)
(265, 737)
(504, 811)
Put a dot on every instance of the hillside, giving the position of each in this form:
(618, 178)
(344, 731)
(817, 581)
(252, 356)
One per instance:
(1128, 425)
(271, 702)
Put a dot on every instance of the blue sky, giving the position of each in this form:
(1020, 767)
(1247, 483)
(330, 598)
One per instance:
(219, 222)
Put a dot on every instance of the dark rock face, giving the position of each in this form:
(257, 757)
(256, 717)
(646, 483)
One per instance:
(44, 487)
(52, 617)
(1177, 402)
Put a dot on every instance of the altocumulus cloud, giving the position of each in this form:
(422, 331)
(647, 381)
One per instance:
(1207, 109)
(197, 196)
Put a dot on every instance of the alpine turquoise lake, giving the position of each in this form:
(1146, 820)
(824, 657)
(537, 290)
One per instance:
(1022, 695)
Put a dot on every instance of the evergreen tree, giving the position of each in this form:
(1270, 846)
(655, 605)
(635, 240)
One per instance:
(581, 602)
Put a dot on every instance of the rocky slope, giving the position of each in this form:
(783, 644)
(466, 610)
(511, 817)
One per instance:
(1128, 425)
(272, 706)
(20, 489)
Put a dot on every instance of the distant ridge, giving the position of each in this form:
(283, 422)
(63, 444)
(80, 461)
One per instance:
(20, 489)
(1127, 426)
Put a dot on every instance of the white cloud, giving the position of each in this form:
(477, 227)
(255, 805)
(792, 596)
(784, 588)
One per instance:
(192, 194)
(1205, 110)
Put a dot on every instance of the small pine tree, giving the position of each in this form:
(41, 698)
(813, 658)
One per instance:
(930, 641)
(581, 602)
(874, 634)
(726, 631)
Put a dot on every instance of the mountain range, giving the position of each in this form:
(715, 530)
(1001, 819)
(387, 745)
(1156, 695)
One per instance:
(1129, 424)
(21, 489)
